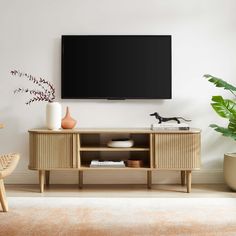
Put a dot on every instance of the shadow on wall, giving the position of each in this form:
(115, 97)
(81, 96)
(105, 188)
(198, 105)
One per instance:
(14, 140)
(214, 146)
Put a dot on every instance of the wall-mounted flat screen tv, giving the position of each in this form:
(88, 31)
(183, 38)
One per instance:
(116, 67)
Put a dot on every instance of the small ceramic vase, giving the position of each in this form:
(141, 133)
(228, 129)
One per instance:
(68, 122)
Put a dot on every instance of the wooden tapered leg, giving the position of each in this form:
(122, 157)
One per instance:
(189, 180)
(80, 179)
(183, 177)
(149, 179)
(47, 173)
(41, 180)
(3, 198)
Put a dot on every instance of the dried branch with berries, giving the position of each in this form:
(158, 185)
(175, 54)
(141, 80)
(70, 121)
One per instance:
(46, 91)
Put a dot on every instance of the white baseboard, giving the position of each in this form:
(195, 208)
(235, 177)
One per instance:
(116, 177)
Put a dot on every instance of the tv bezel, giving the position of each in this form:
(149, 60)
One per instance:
(106, 97)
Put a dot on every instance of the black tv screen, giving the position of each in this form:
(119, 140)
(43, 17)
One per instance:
(116, 66)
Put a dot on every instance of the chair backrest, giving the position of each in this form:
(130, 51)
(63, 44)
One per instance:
(5, 161)
(8, 163)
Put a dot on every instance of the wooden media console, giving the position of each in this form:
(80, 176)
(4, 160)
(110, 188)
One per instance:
(75, 149)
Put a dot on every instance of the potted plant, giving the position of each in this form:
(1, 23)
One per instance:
(44, 91)
(226, 108)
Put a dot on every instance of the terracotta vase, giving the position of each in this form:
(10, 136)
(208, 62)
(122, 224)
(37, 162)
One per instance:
(68, 122)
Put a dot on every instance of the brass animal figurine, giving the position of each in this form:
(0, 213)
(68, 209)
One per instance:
(165, 119)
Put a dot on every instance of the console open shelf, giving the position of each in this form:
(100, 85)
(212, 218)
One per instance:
(87, 167)
(109, 149)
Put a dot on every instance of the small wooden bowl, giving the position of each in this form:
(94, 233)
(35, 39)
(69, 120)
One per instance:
(135, 163)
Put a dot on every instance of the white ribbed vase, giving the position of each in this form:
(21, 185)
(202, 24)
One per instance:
(53, 115)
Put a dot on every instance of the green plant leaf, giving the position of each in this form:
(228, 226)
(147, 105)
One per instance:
(224, 131)
(220, 83)
(232, 125)
(225, 108)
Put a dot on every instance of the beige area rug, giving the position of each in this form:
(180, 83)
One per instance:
(118, 216)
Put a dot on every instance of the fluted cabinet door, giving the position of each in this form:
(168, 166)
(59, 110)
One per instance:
(50, 151)
(177, 151)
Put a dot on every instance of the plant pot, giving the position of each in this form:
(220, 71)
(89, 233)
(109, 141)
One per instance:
(230, 170)
(53, 115)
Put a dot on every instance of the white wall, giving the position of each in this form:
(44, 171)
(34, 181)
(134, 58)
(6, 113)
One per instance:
(203, 36)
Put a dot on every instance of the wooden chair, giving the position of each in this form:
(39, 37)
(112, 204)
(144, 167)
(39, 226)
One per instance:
(8, 163)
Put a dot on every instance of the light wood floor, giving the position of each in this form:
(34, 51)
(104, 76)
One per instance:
(169, 191)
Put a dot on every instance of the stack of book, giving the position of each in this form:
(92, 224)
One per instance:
(170, 126)
(107, 164)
